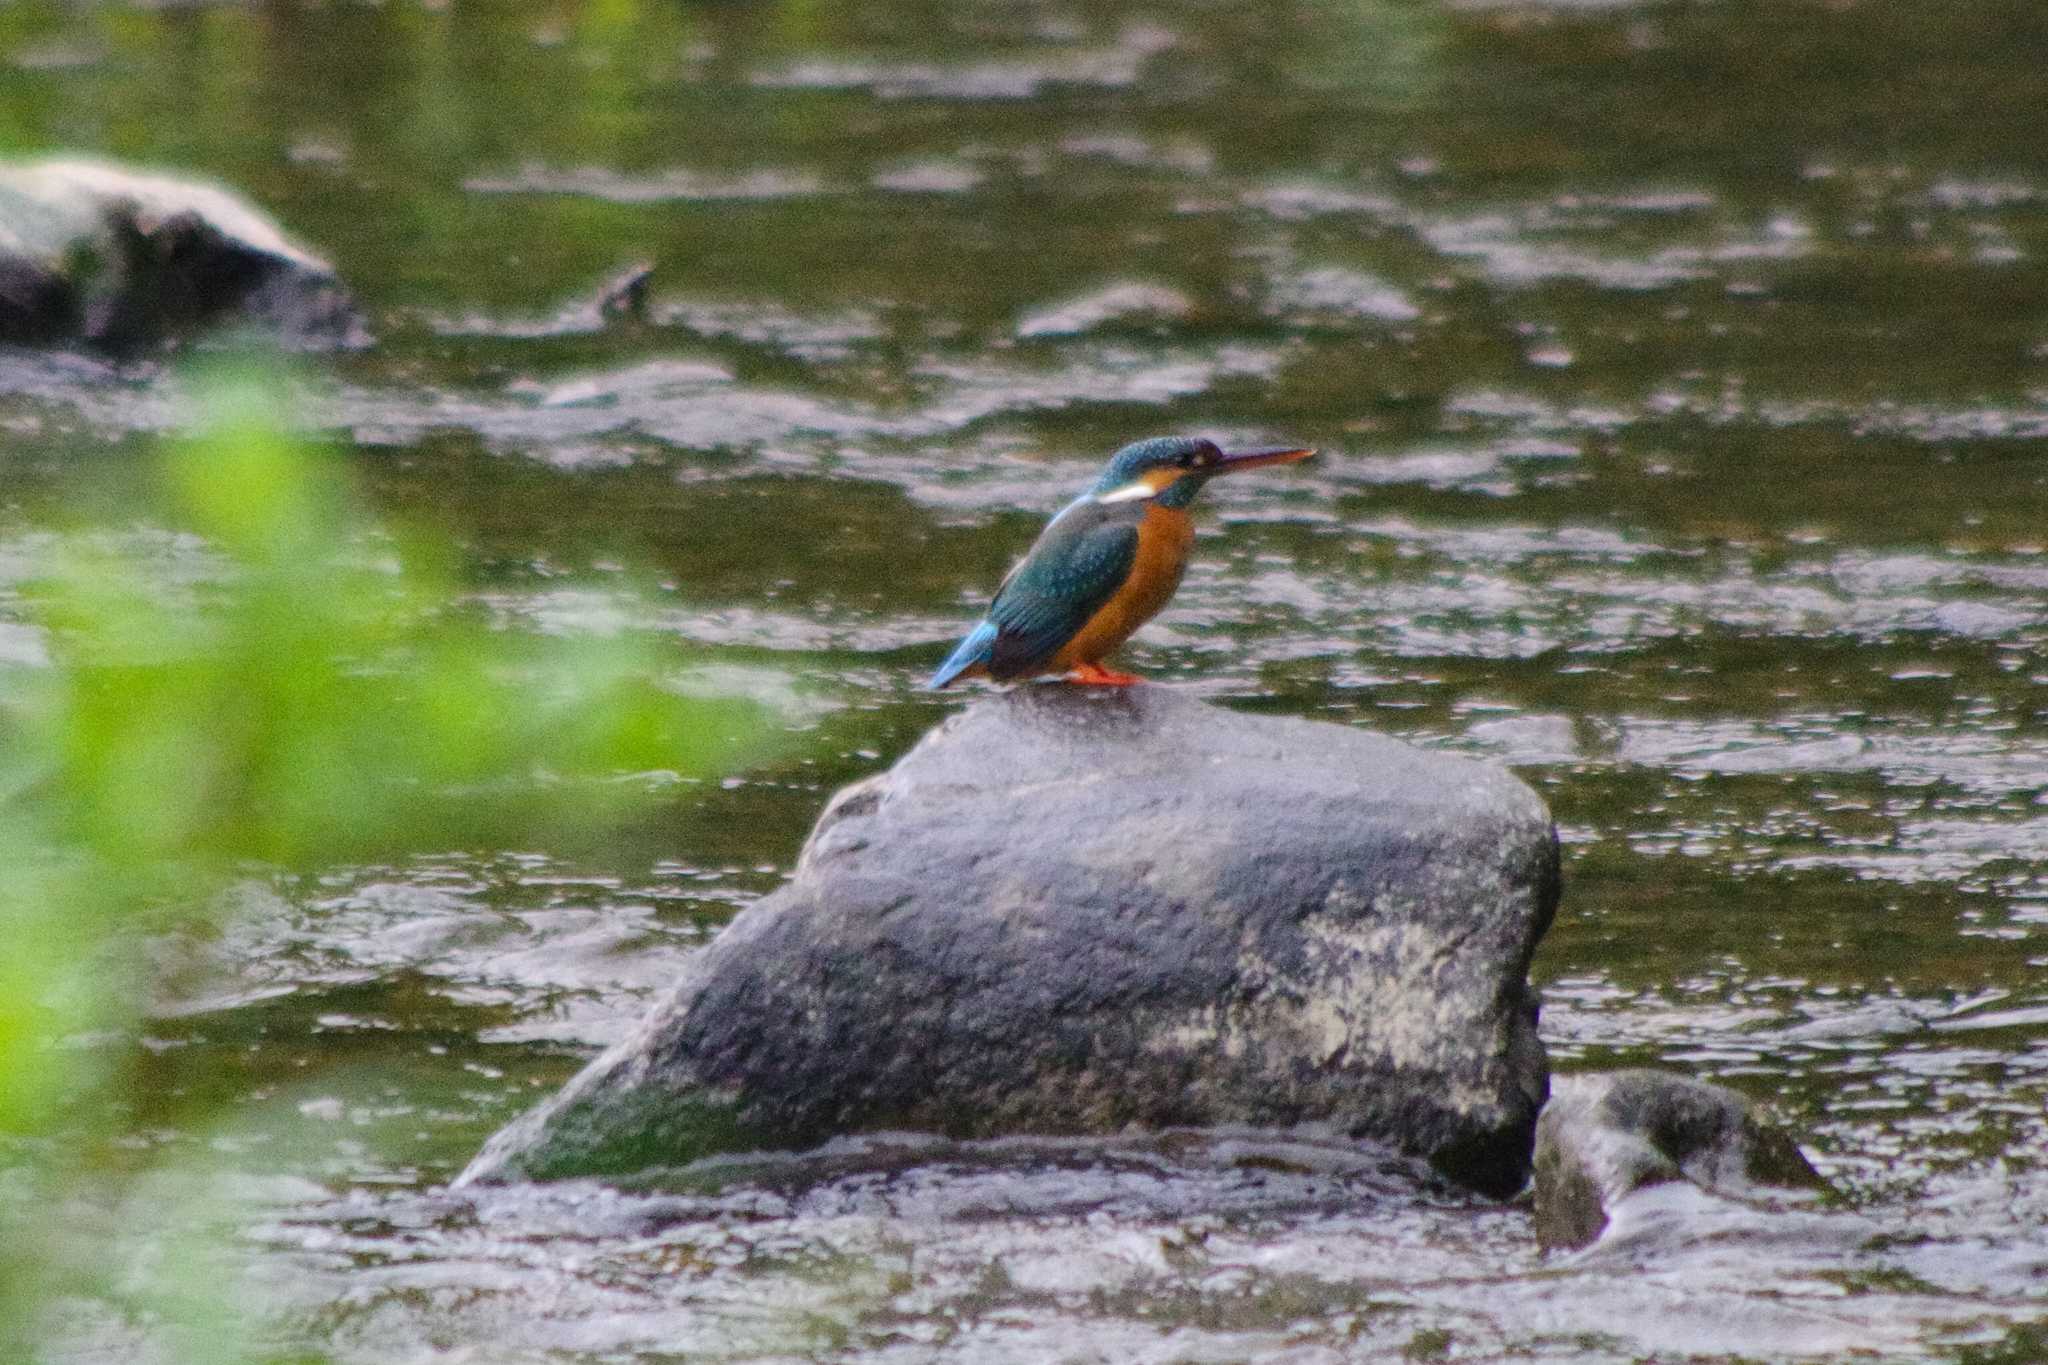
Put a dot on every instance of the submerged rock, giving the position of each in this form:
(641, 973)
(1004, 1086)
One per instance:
(126, 260)
(1077, 910)
(1605, 1138)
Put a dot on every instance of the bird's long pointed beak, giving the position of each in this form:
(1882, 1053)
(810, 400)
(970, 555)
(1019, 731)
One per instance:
(1235, 460)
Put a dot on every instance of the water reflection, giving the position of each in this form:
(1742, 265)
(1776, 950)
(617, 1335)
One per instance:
(1678, 372)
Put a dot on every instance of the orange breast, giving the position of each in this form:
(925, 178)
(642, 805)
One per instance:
(1164, 537)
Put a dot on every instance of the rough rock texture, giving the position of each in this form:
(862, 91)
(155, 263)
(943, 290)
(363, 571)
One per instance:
(1071, 910)
(125, 261)
(1603, 1138)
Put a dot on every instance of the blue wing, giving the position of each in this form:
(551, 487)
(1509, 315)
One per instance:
(1081, 558)
(1079, 562)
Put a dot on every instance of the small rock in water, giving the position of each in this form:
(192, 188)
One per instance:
(623, 298)
(126, 261)
(1075, 911)
(1604, 1138)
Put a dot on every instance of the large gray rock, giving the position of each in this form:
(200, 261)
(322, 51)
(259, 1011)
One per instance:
(126, 260)
(1071, 910)
(1606, 1138)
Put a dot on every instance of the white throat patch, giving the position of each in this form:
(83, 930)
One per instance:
(1130, 492)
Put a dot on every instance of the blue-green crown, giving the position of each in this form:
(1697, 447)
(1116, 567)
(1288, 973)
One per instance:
(1190, 453)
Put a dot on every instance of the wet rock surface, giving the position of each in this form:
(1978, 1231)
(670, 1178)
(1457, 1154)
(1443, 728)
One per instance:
(125, 261)
(1604, 1139)
(1704, 490)
(1073, 911)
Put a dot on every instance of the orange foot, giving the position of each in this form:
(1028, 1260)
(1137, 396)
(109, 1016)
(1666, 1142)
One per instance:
(1095, 675)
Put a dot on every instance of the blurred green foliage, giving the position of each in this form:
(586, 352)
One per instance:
(321, 693)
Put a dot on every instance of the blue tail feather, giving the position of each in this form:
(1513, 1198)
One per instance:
(979, 645)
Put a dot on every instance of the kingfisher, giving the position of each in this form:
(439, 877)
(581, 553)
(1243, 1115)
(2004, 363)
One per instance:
(1102, 567)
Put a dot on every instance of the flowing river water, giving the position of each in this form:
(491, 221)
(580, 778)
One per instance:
(1681, 376)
